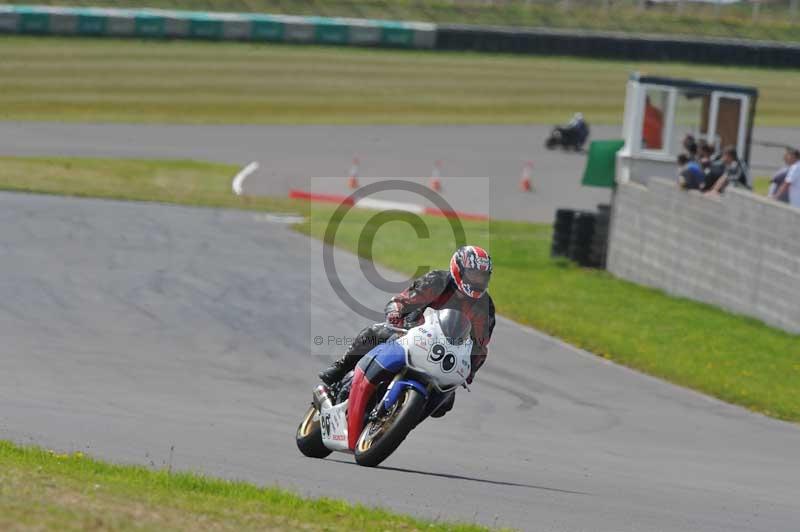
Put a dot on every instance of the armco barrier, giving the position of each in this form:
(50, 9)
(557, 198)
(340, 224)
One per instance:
(156, 23)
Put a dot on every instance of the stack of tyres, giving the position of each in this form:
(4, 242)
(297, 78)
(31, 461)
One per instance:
(580, 242)
(562, 231)
(600, 237)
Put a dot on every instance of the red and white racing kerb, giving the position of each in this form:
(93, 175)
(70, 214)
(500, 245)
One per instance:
(377, 204)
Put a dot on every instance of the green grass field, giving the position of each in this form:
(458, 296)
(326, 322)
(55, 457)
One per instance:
(47, 491)
(85, 80)
(737, 359)
(774, 21)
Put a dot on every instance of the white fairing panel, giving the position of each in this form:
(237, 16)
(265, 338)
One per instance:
(429, 351)
(333, 422)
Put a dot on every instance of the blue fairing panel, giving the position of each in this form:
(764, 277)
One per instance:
(391, 356)
(399, 386)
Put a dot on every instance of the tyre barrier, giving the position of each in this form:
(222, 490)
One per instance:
(165, 24)
(599, 248)
(580, 242)
(615, 45)
(562, 231)
(582, 236)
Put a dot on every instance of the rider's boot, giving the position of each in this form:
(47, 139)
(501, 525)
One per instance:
(336, 372)
(361, 345)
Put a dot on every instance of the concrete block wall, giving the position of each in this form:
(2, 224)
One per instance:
(740, 251)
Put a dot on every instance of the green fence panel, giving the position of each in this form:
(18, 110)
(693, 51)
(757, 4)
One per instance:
(34, 23)
(395, 36)
(92, 24)
(202, 28)
(149, 26)
(266, 30)
(331, 32)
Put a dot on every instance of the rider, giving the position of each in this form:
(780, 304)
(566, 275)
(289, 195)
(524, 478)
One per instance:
(579, 128)
(463, 288)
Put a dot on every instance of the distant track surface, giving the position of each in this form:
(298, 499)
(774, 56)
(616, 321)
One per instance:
(160, 335)
(290, 155)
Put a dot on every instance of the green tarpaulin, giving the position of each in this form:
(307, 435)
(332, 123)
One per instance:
(601, 164)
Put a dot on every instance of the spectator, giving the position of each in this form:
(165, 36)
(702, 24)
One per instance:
(791, 185)
(690, 175)
(790, 157)
(735, 173)
(712, 167)
(653, 126)
(690, 145)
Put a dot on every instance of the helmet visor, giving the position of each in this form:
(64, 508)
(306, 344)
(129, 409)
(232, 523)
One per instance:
(455, 326)
(477, 279)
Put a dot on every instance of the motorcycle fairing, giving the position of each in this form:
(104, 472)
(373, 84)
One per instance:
(360, 393)
(394, 391)
(333, 425)
(379, 364)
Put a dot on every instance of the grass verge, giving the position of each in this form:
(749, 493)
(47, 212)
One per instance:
(43, 490)
(774, 20)
(737, 359)
(111, 80)
(194, 183)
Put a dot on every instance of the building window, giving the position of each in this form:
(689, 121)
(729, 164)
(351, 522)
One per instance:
(691, 118)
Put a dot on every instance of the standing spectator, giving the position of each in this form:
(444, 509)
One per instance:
(735, 172)
(790, 157)
(690, 175)
(791, 184)
(653, 126)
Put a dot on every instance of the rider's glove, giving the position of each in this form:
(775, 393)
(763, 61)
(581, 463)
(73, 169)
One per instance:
(394, 318)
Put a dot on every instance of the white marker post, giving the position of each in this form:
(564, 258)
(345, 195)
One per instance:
(239, 178)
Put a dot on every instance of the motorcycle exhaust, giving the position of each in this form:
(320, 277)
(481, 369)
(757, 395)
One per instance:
(321, 398)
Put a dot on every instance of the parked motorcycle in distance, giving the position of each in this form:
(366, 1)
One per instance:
(392, 390)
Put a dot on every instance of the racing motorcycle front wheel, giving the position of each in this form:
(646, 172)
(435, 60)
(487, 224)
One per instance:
(309, 435)
(382, 436)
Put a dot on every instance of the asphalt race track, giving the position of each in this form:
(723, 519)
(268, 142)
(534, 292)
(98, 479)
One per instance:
(291, 155)
(159, 335)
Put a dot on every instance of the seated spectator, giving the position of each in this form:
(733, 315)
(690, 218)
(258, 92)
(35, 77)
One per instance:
(791, 185)
(713, 168)
(690, 175)
(790, 157)
(690, 145)
(735, 173)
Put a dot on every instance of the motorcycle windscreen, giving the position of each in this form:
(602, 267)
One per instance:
(455, 326)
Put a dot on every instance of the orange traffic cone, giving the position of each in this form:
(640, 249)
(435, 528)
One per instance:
(525, 181)
(352, 181)
(436, 180)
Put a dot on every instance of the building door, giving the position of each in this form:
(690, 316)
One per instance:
(729, 120)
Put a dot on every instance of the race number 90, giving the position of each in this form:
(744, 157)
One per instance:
(439, 355)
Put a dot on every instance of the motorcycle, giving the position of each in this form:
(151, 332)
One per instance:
(396, 386)
(567, 138)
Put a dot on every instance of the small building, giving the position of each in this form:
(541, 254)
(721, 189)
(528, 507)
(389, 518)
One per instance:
(660, 112)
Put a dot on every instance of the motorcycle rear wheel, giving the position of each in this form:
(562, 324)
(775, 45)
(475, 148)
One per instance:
(309, 436)
(380, 438)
